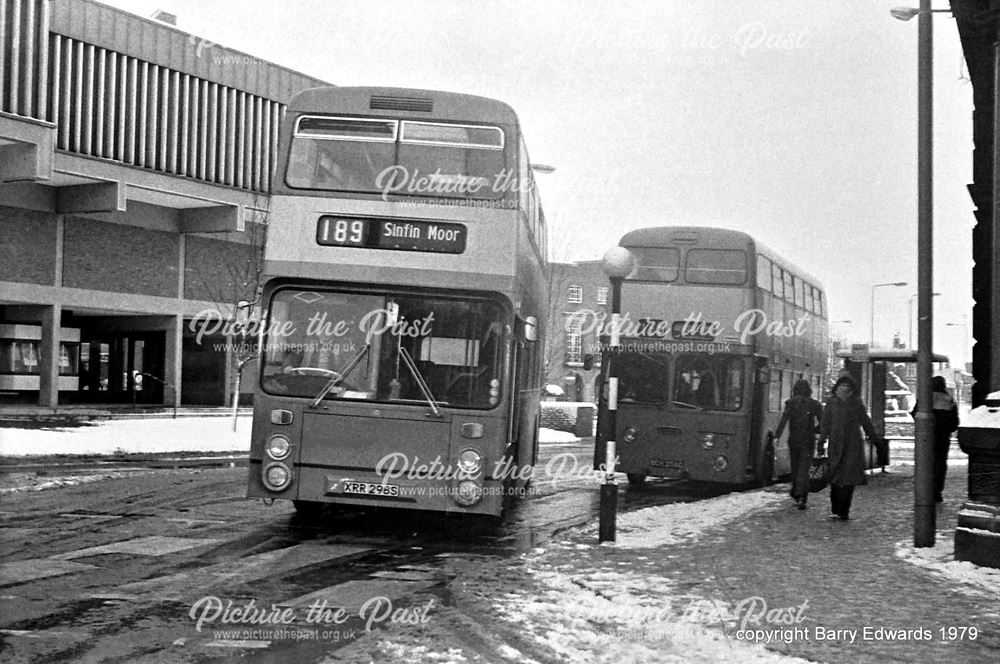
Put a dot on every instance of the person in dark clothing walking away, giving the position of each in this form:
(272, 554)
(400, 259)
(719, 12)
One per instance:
(802, 415)
(844, 416)
(945, 424)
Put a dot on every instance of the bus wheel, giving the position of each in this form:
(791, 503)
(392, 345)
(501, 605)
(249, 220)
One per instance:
(635, 479)
(308, 509)
(766, 476)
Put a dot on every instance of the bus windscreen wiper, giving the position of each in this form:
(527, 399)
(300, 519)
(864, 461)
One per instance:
(687, 405)
(421, 383)
(336, 378)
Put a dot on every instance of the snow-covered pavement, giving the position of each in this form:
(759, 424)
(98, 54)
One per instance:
(134, 436)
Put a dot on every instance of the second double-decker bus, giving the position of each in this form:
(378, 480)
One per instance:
(403, 301)
(715, 330)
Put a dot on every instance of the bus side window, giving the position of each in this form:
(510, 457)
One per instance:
(774, 393)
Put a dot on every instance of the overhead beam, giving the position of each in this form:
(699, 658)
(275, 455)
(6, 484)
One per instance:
(216, 219)
(82, 198)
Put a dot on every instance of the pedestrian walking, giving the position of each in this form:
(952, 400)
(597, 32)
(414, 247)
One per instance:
(844, 416)
(945, 424)
(803, 416)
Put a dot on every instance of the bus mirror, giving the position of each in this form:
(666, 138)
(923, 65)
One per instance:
(531, 328)
(588, 362)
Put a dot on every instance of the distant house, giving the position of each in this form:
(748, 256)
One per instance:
(579, 299)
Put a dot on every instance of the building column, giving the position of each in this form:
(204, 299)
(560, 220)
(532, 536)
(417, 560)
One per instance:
(48, 352)
(172, 361)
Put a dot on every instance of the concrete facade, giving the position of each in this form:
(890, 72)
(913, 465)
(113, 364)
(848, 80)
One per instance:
(135, 161)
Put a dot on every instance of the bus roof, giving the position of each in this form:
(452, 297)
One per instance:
(725, 238)
(403, 102)
(885, 355)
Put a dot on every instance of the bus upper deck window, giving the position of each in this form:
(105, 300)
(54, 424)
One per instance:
(655, 263)
(715, 266)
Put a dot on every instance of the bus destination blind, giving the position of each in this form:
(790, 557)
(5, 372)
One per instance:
(394, 234)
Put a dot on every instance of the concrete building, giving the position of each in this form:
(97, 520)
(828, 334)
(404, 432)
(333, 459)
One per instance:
(135, 161)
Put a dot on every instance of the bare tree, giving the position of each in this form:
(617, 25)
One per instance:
(232, 281)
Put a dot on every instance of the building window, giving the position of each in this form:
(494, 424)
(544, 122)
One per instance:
(602, 295)
(574, 344)
(575, 295)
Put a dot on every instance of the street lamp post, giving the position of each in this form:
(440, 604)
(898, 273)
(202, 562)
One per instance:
(923, 489)
(891, 283)
(909, 320)
(617, 264)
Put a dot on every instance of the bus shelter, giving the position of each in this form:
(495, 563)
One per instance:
(873, 370)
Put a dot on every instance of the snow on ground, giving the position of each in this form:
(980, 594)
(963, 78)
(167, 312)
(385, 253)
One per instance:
(666, 524)
(940, 561)
(553, 436)
(138, 436)
(588, 604)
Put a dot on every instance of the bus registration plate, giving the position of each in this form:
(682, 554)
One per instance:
(370, 489)
(663, 463)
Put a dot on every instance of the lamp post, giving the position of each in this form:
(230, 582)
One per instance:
(891, 283)
(617, 263)
(909, 320)
(923, 488)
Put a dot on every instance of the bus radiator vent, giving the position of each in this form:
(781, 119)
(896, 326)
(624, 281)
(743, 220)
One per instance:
(413, 104)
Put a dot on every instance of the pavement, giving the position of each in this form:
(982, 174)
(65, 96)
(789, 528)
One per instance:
(866, 594)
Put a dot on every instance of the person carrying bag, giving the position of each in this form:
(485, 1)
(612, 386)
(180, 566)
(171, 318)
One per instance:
(802, 415)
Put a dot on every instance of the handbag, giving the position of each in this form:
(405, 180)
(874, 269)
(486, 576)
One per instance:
(819, 474)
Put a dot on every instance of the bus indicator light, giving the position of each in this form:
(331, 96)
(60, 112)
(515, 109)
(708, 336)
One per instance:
(708, 441)
(277, 476)
(720, 463)
(469, 493)
(629, 436)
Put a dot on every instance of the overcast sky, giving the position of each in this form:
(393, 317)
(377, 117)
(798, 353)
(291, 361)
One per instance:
(794, 121)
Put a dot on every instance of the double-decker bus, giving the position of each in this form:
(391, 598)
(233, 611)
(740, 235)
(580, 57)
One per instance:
(403, 297)
(715, 330)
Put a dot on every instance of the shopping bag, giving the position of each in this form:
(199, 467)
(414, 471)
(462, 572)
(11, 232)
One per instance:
(819, 474)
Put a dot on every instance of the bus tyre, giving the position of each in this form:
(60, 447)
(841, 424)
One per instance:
(636, 479)
(308, 509)
(766, 475)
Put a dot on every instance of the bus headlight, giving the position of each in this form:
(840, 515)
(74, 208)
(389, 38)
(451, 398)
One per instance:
(277, 476)
(278, 446)
(629, 435)
(468, 493)
(720, 463)
(708, 441)
(469, 461)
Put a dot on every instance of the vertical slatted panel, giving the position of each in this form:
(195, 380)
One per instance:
(27, 77)
(15, 56)
(203, 125)
(141, 117)
(220, 148)
(45, 112)
(111, 121)
(211, 170)
(88, 101)
(65, 82)
(3, 54)
(152, 116)
(56, 59)
(75, 135)
(266, 147)
(185, 126)
(133, 109)
(241, 136)
(258, 142)
(231, 131)
(99, 103)
(163, 137)
(121, 128)
(277, 111)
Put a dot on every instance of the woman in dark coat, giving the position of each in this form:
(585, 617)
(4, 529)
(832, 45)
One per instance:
(844, 416)
(802, 415)
(945, 424)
